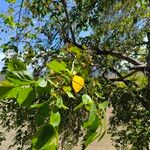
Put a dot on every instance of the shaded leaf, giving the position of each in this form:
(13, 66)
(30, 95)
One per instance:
(45, 137)
(26, 96)
(4, 91)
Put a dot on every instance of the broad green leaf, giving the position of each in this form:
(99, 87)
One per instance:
(55, 119)
(42, 82)
(20, 77)
(26, 96)
(75, 50)
(13, 93)
(42, 114)
(4, 91)
(56, 66)
(44, 137)
(16, 65)
(96, 123)
(87, 101)
(92, 136)
(103, 105)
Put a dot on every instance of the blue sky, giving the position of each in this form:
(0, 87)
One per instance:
(3, 8)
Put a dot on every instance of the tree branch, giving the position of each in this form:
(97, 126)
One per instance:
(19, 17)
(141, 43)
(121, 78)
(68, 19)
(142, 67)
(119, 55)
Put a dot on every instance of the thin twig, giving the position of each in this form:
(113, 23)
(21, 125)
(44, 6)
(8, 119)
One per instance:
(19, 17)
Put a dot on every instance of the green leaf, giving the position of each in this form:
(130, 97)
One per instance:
(55, 119)
(78, 107)
(11, 1)
(103, 105)
(4, 91)
(20, 77)
(13, 93)
(91, 118)
(9, 46)
(45, 137)
(49, 147)
(92, 136)
(57, 66)
(42, 114)
(26, 96)
(133, 147)
(16, 65)
(75, 50)
(37, 105)
(59, 103)
(42, 82)
(94, 126)
(87, 101)
(9, 21)
(70, 95)
(67, 89)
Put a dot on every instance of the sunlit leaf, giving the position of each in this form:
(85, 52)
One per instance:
(103, 105)
(42, 82)
(20, 77)
(55, 118)
(57, 66)
(10, 21)
(16, 65)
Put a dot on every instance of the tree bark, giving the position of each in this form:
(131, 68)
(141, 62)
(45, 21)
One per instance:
(148, 68)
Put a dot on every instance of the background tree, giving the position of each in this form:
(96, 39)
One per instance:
(107, 43)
